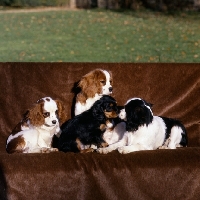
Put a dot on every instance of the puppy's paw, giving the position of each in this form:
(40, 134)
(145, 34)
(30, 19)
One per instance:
(53, 149)
(44, 150)
(48, 150)
(123, 150)
(104, 144)
(89, 150)
(104, 150)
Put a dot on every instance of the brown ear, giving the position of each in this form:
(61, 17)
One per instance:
(61, 112)
(88, 86)
(90, 83)
(35, 115)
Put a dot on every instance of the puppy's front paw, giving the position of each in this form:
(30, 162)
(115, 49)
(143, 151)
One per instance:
(123, 150)
(44, 150)
(48, 150)
(104, 144)
(53, 149)
(103, 150)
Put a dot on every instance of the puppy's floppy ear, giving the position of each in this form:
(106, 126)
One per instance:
(35, 115)
(97, 110)
(61, 112)
(148, 104)
(88, 84)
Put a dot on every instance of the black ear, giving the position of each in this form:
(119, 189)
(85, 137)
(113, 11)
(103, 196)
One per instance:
(148, 104)
(98, 110)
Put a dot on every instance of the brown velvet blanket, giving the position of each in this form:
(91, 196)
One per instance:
(174, 89)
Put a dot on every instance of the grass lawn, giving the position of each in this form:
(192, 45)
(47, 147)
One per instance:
(99, 36)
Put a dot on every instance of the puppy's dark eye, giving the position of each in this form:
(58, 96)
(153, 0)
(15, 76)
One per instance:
(56, 112)
(46, 114)
(103, 82)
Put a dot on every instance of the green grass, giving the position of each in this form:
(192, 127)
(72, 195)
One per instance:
(99, 36)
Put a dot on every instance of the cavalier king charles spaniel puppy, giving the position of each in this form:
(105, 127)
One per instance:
(87, 128)
(147, 132)
(35, 131)
(93, 85)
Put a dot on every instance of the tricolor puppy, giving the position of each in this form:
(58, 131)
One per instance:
(93, 85)
(35, 131)
(147, 132)
(87, 128)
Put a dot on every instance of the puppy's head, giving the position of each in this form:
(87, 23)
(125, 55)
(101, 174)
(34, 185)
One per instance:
(98, 82)
(137, 112)
(46, 112)
(105, 108)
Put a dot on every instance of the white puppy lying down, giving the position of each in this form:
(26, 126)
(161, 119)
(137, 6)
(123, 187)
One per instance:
(145, 131)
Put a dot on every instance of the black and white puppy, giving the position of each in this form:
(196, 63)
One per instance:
(87, 128)
(147, 132)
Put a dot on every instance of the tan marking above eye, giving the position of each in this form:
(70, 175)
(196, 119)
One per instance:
(46, 114)
(111, 104)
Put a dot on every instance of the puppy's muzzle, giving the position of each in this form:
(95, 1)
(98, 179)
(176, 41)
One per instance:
(110, 89)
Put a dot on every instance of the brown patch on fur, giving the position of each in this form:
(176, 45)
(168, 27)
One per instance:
(61, 112)
(35, 115)
(17, 129)
(102, 127)
(87, 150)
(79, 144)
(104, 144)
(111, 114)
(109, 121)
(91, 84)
(23, 123)
(16, 145)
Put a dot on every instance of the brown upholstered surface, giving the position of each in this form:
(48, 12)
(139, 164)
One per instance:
(174, 89)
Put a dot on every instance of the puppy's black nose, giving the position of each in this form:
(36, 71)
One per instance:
(54, 122)
(110, 89)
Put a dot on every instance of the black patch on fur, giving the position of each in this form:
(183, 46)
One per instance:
(169, 122)
(137, 114)
(86, 126)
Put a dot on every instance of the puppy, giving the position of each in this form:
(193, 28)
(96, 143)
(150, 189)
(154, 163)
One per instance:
(147, 132)
(87, 128)
(93, 85)
(35, 131)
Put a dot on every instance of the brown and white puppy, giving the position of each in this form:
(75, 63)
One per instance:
(35, 131)
(93, 85)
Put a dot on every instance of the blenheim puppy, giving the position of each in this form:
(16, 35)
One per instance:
(35, 131)
(147, 132)
(87, 129)
(93, 85)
